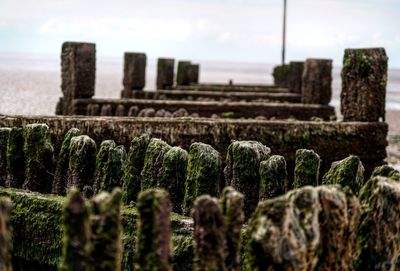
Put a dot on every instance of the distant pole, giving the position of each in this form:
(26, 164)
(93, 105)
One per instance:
(284, 33)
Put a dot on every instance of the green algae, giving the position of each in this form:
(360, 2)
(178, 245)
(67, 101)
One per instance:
(384, 171)
(101, 160)
(173, 175)
(131, 180)
(202, 174)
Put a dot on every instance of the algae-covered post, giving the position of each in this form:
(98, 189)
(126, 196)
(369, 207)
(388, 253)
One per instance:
(4, 132)
(78, 73)
(232, 208)
(183, 73)
(82, 162)
(241, 172)
(5, 235)
(209, 235)
(194, 70)
(294, 76)
(202, 175)
(39, 160)
(173, 175)
(134, 73)
(347, 172)
(165, 73)
(106, 231)
(364, 77)
(379, 228)
(62, 167)
(154, 248)
(306, 171)
(153, 162)
(106, 110)
(273, 177)
(133, 167)
(281, 74)
(77, 247)
(316, 85)
(15, 158)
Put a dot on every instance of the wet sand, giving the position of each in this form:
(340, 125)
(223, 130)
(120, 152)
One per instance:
(393, 150)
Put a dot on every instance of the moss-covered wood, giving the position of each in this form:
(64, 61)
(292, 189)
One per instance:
(37, 219)
(242, 170)
(133, 167)
(101, 160)
(77, 246)
(154, 247)
(347, 172)
(4, 132)
(384, 171)
(306, 171)
(5, 235)
(106, 231)
(39, 158)
(62, 167)
(153, 162)
(312, 228)
(273, 177)
(202, 175)
(15, 158)
(173, 175)
(232, 203)
(379, 228)
(209, 235)
(82, 162)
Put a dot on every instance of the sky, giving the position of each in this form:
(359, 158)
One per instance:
(221, 30)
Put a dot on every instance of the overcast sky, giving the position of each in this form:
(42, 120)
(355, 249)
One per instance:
(233, 30)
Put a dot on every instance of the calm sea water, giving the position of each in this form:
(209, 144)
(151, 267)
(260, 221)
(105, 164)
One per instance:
(30, 84)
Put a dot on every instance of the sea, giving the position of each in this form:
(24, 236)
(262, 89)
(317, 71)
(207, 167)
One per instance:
(30, 84)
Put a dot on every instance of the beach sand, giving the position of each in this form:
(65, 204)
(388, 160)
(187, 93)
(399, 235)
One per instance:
(393, 149)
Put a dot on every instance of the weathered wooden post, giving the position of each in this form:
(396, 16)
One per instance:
(15, 158)
(306, 171)
(273, 177)
(165, 73)
(154, 248)
(316, 86)
(364, 78)
(153, 162)
(82, 162)
(294, 76)
(78, 73)
(39, 160)
(280, 74)
(241, 172)
(133, 167)
(202, 175)
(62, 167)
(5, 235)
(209, 235)
(183, 74)
(4, 132)
(134, 73)
(232, 208)
(77, 246)
(173, 174)
(194, 71)
(106, 231)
